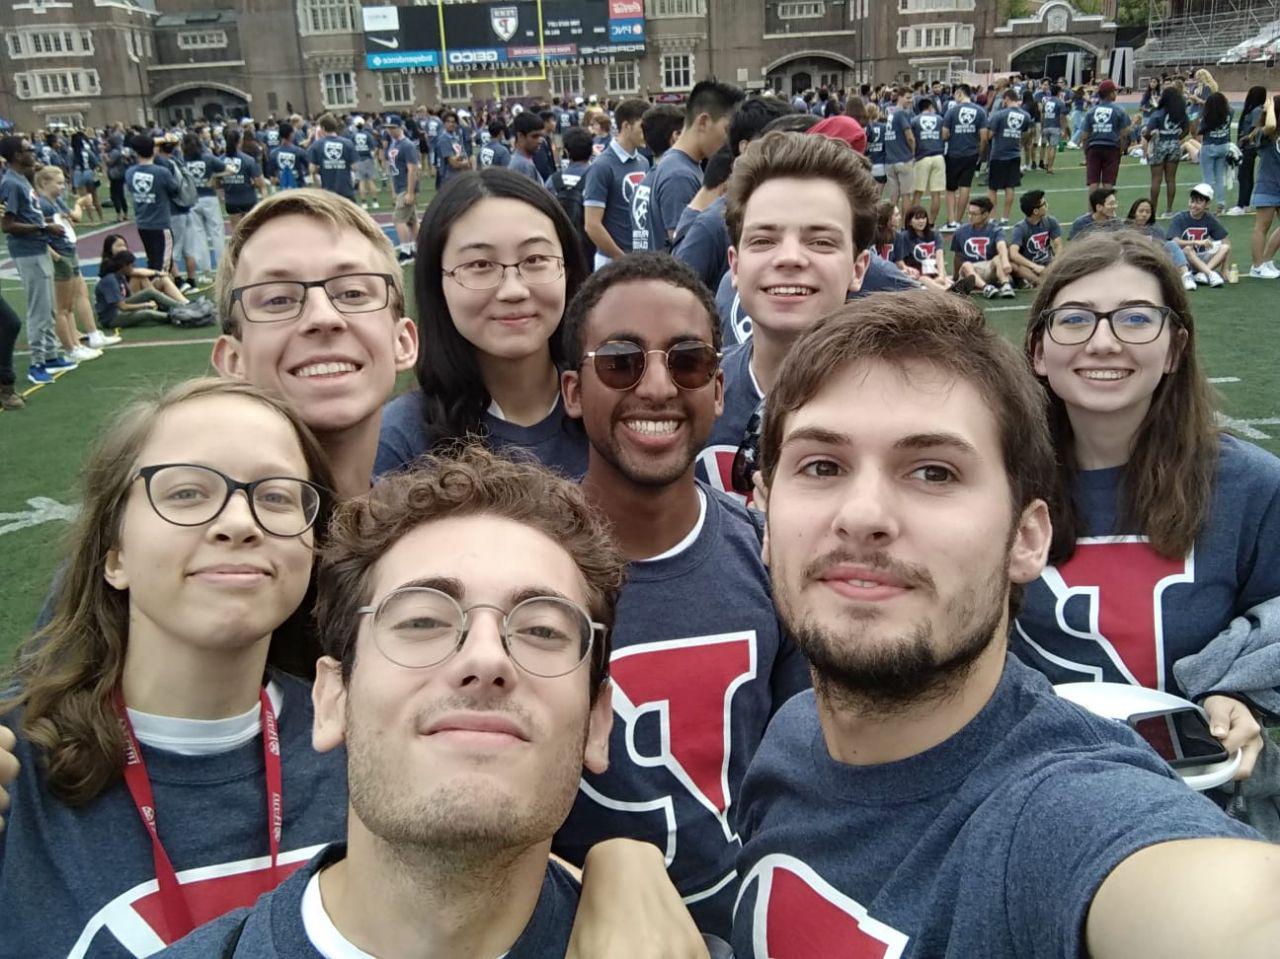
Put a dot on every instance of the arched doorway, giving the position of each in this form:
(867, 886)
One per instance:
(795, 73)
(189, 102)
(1031, 59)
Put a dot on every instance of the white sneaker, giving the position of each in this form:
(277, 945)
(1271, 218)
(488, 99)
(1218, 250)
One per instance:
(1188, 282)
(1202, 278)
(98, 340)
(82, 354)
(990, 291)
(1215, 279)
(1267, 271)
(1236, 211)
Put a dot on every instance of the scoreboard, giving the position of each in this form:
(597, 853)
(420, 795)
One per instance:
(517, 40)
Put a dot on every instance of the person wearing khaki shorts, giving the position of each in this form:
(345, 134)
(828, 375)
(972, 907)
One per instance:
(900, 179)
(405, 212)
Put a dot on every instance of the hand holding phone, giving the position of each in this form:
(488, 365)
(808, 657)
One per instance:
(1180, 736)
(1232, 722)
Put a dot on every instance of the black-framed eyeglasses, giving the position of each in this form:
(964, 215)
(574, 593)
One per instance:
(1136, 323)
(482, 274)
(276, 301)
(621, 364)
(746, 461)
(418, 626)
(186, 494)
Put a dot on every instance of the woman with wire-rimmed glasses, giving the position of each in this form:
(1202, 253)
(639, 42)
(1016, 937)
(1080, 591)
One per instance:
(1166, 528)
(498, 261)
(162, 719)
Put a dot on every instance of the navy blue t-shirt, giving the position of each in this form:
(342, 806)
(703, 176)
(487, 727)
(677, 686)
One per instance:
(335, 156)
(1007, 125)
(364, 143)
(1165, 127)
(676, 178)
(1184, 226)
(238, 179)
(1051, 113)
(965, 122)
(288, 163)
(976, 246)
(992, 843)
(1035, 240)
(273, 928)
(927, 128)
(152, 190)
(1267, 182)
(705, 246)
(107, 294)
(914, 250)
(896, 149)
(202, 168)
(557, 442)
(446, 145)
(741, 398)
(401, 153)
(493, 153)
(23, 203)
(81, 880)
(523, 165)
(875, 142)
(1118, 611)
(59, 244)
(699, 667)
(1105, 124)
(610, 185)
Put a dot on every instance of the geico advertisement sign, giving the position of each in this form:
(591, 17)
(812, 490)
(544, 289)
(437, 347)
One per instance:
(465, 57)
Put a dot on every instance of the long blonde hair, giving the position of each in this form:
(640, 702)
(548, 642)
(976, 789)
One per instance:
(65, 675)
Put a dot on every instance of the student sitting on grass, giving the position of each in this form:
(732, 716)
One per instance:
(1202, 238)
(139, 278)
(117, 307)
(1142, 215)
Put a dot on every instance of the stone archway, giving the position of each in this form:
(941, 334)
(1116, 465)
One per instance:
(793, 73)
(1030, 57)
(202, 100)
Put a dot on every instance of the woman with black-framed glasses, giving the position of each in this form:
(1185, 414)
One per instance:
(498, 261)
(163, 730)
(1166, 528)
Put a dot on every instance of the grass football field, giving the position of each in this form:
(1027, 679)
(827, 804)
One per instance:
(42, 447)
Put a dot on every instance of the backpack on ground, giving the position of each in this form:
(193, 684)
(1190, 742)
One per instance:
(567, 188)
(194, 314)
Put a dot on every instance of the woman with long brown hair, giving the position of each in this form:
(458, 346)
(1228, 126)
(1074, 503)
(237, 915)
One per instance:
(1165, 528)
(168, 775)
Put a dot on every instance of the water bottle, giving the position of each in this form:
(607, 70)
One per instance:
(1233, 274)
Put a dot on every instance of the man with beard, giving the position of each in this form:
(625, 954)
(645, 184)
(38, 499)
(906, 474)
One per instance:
(464, 609)
(699, 663)
(932, 796)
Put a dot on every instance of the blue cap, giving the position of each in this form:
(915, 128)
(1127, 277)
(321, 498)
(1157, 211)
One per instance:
(393, 120)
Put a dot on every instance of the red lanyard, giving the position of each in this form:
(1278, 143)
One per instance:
(177, 914)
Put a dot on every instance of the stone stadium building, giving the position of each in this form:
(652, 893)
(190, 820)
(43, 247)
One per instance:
(92, 62)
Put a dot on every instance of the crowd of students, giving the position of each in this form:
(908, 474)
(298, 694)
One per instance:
(637, 629)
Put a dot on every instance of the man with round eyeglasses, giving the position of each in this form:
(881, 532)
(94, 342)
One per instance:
(464, 610)
(699, 663)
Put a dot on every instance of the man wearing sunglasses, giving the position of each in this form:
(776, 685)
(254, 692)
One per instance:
(801, 215)
(465, 612)
(699, 663)
(312, 305)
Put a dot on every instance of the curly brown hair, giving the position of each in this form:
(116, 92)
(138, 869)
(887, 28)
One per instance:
(464, 480)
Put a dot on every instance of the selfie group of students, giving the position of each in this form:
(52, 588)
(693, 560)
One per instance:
(604, 640)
